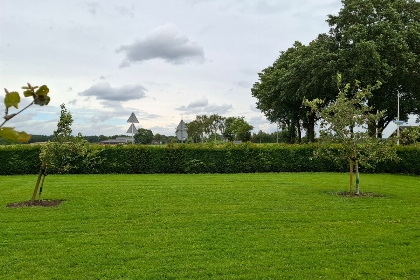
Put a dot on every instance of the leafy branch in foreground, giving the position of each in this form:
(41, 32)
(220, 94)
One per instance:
(12, 99)
(345, 123)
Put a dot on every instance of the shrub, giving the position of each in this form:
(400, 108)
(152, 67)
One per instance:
(200, 158)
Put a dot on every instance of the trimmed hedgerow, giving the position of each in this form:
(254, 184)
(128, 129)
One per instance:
(19, 159)
(202, 158)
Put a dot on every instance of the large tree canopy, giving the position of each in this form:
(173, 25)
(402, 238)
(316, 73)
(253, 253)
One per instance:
(237, 129)
(301, 71)
(369, 41)
(143, 136)
(379, 40)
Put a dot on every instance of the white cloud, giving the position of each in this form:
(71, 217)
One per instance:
(195, 105)
(164, 43)
(104, 91)
(203, 107)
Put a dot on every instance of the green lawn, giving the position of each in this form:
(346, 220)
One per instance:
(232, 226)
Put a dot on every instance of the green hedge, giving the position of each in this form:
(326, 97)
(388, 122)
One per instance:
(183, 158)
(19, 159)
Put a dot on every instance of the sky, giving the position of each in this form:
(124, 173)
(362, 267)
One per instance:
(163, 60)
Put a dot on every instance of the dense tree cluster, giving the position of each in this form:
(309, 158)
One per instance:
(214, 127)
(369, 41)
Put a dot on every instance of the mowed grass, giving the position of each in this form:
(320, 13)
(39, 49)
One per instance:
(211, 226)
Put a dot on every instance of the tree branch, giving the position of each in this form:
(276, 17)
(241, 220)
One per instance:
(14, 115)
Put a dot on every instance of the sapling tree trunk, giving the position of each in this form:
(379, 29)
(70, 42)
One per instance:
(41, 172)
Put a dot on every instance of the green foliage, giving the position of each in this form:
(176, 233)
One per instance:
(202, 158)
(203, 126)
(236, 128)
(410, 135)
(345, 122)
(207, 127)
(369, 41)
(67, 154)
(143, 136)
(19, 159)
(299, 72)
(379, 41)
(63, 132)
(12, 99)
(69, 157)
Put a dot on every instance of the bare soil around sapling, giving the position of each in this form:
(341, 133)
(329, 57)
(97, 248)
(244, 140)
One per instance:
(349, 194)
(36, 203)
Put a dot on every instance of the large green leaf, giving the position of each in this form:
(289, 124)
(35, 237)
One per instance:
(43, 90)
(11, 134)
(42, 100)
(12, 99)
(41, 97)
(28, 93)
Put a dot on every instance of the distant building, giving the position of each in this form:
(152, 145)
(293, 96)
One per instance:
(118, 140)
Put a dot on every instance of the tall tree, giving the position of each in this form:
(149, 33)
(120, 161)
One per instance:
(194, 130)
(205, 125)
(299, 72)
(236, 128)
(216, 123)
(143, 136)
(379, 40)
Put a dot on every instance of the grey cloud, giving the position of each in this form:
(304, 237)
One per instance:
(263, 7)
(194, 105)
(92, 8)
(165, 43)
(199, 103)
(104, 91)
(126, 11)
(203, 107)
(258, 120)
(218, 109)
(243, 84)
(147, 116)
(254, 108)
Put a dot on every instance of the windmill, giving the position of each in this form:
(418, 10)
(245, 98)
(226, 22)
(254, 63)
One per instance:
(181, 131)
(133, 130)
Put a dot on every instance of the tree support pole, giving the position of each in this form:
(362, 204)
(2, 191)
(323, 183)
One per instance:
(351, 176)
(41, 172)
(357, 178)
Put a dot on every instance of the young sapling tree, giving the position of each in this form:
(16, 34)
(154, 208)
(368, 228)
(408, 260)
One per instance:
(345, 122)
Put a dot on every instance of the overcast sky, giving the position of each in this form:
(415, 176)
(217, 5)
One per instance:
(164, 60)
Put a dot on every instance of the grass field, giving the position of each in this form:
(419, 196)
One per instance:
(232, 226)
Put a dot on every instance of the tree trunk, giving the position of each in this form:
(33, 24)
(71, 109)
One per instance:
(310, 127)
(381, 127)
(299, 131)
(41, 172)
(372, 129)
(292, 131)
(372, 125)
(357, 178)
